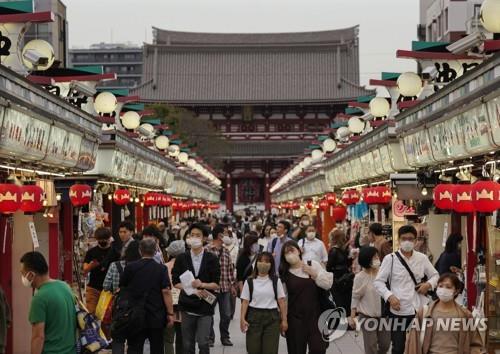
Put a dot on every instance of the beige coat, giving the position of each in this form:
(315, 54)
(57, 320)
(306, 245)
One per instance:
(469, 342)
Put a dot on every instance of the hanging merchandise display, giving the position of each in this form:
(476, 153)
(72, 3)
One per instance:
(121, 197)
(80, 194)
(10, 198)
(31, 198)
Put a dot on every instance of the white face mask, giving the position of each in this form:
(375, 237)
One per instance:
(26, 282)
(227, 240)
(292, 258)
(445, 295)
(273, 235)
(255, 248)
(195, 243)
(305, 222)
(376, 263)
(311, 235)
(183, 224)
(407, 246)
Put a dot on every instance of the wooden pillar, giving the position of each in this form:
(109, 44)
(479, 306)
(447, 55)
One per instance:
(328, 223)
(6, 268)
(66, 221)
(54, 250)
(471, 261)
(139, 217)
(229, 193)
(267, 193)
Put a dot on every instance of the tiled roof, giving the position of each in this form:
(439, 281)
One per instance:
(204, 68)
(256, 149)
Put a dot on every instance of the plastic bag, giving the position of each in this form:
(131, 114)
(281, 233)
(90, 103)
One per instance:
(103, 304)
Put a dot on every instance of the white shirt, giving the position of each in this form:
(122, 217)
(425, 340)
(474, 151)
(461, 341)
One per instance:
(324, 279)
(263, 293)
(365, 298)
(197, 261)
(402, 286)
(233, 251)
(313, 250)
(264, 241)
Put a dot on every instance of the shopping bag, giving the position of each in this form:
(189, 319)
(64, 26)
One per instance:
(108, 314)
(103, 303)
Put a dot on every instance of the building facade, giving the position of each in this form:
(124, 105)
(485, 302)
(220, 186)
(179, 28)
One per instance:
(448, 20)
(270, 95)
(56, 33)
(123, 59)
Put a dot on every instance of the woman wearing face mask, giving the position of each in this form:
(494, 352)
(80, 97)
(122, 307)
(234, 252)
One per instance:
(366, 302)
(266, 237)
(313, 248)
(439, 339)
(244, 264)
(260, 320)
(302, 281)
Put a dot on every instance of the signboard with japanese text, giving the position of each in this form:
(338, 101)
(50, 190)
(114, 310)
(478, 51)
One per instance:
(494, 118)
(88, 155)
(417, 149)
(447, 140)
(476, 130)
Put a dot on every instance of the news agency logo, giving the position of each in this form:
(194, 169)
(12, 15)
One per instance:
(332, 324)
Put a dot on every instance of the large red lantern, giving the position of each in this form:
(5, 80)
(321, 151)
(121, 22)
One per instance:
(323, 204)
(80, 194)
(350, 196)
(339, 213)
(486, 196)
(309, 205)
(294, 205)
(189, 205)
(121, 197)
(31, 198)
(384, 194)
(168, 200)
(443, 196)
(10, 198)
(175, 204)
(462, 198)
(371, 195)
(150, 199)
(331, 198)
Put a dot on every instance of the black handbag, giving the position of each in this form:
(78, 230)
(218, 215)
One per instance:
(386, 306)
(325, 297)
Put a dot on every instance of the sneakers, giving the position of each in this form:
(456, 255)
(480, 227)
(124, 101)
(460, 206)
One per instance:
(226, 342)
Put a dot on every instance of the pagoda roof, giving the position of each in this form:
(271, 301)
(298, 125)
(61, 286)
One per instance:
(257, 149)
(229, 68)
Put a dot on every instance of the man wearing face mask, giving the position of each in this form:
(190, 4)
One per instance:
(227, 284)
(181, 235)
(94, 265)
(274, 247)
(300, 232)
(313, 248)
(52, 311)
(405, 271)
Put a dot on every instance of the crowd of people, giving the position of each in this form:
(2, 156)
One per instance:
(278, 268)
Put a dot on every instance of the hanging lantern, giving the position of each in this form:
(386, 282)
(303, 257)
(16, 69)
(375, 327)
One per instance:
(350, 196)
(150, 199)
(294, 205)
(462, 198)
(10, 198)
(384, 194)
(443, 196)
(323, 204)
(189, 205)
(175, 204)
(80, 194)
(31, 198)
(121, 197)
(486, 196)
(371, 195)
(331, 198)
(168, 200)
(309, 205)
(339, 213)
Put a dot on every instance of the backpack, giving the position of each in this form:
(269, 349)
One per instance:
(275, 287)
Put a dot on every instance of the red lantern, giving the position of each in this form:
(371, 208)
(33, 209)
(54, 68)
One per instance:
(168, 200)
(309, 205)
(331, 198)
(443, 196)
(339, 213)
(31, 198)
(486, 196)
(384, 195)
(323, 204)
(175, 204)
(121, 197)
(80, 194)
(350, 196)
(150, 199)
(294, 205)
(10, 198)
(371, 195)
(462, 198)
(189, 205)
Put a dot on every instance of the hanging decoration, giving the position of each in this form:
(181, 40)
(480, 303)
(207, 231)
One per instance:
(350, 197)
(371, 195)
(121, 197)
(150, 199)
(331, 198)
(10, 198)
(31, 198)
(309, 205)
(443, 196)
(339, 213)
(323, 205)
(80, 194)
(486, 196)
(384, 195)
(462, 198)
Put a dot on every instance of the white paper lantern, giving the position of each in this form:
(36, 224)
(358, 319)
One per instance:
(356, 125)
(490, 15)
(183, 157)
(146, 129)
(191, 163)
(317, 155)
(105, 102)
(379, 107)
(131, 120)
(174, 150)
(329, 145)
(342, 133)
(307, 162)
(162, 142)
(38, 48)
(409, 84)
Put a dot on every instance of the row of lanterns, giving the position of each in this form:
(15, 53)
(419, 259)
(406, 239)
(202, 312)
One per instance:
(482, 197)
(28, 198)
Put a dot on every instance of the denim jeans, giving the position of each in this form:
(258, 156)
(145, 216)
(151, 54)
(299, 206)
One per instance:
(224, 302)
(195, 329)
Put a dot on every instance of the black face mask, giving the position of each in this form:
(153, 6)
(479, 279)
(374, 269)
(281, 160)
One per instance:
(103, 244)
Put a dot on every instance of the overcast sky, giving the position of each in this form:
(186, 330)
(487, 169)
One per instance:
(385, 25)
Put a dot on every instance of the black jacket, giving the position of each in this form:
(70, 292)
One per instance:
(209, 273)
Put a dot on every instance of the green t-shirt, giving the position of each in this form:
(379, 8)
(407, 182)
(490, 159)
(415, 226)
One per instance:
(53, 305)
